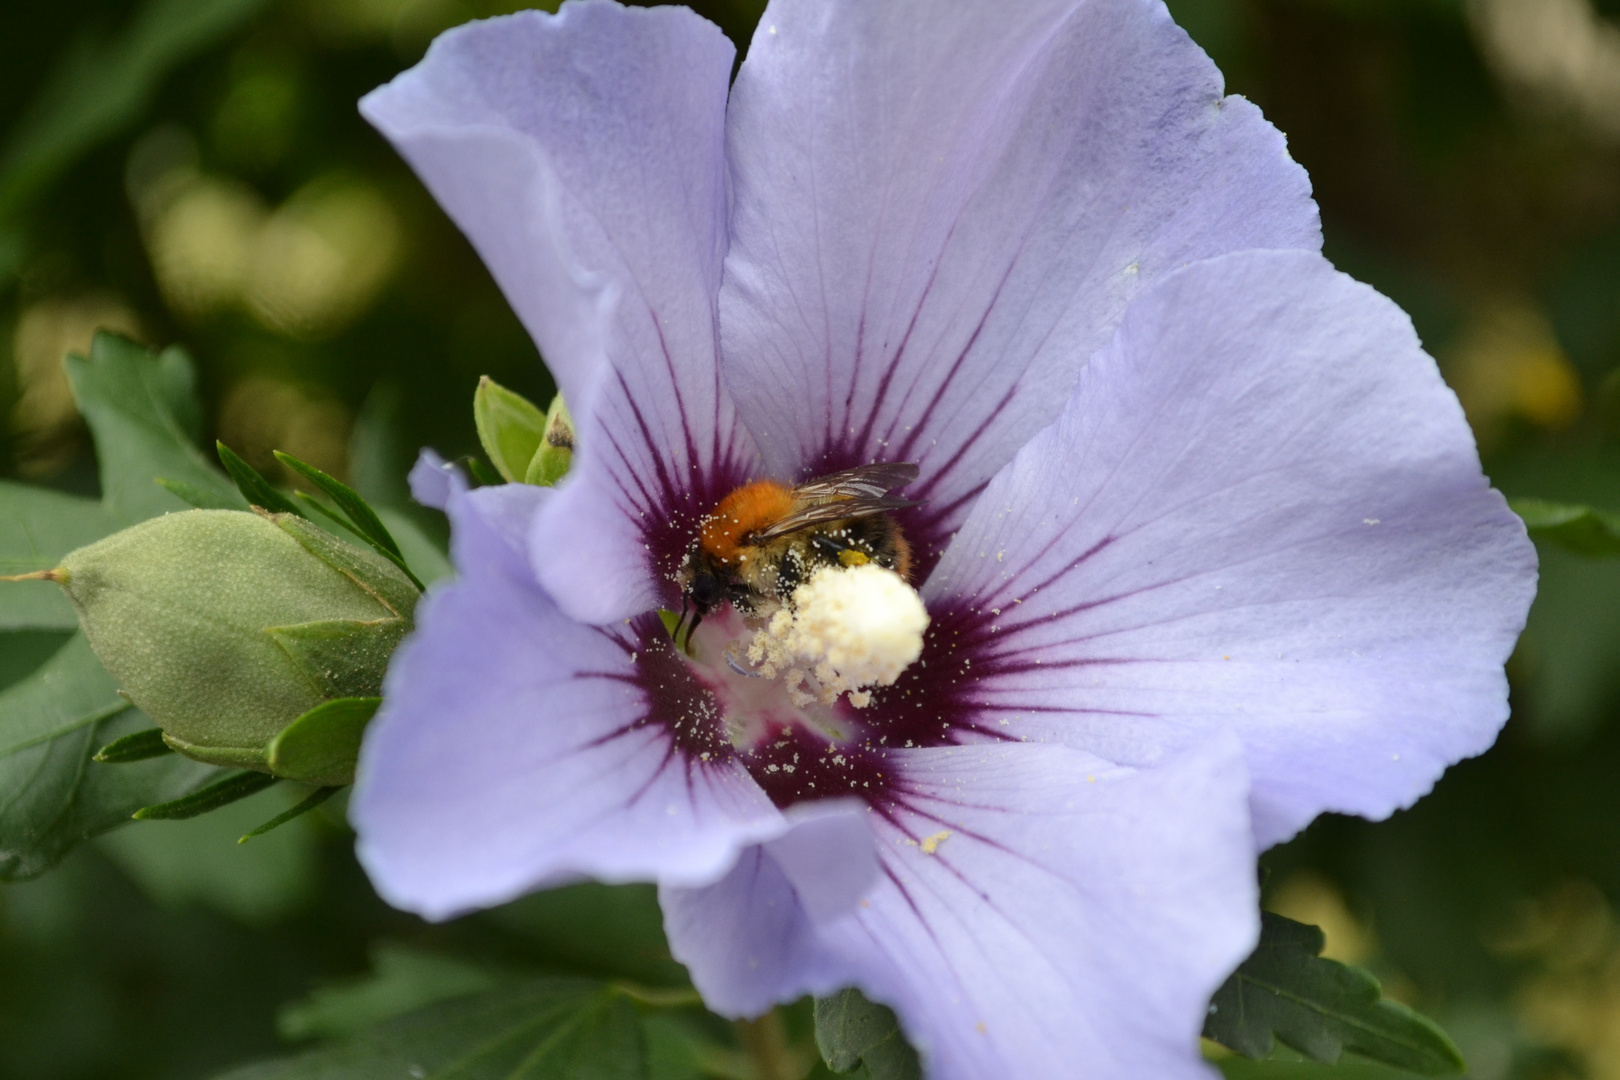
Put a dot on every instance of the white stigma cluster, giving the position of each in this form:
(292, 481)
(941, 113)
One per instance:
(846, 629)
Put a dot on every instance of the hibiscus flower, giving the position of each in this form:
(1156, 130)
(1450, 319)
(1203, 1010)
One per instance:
(1201, 537)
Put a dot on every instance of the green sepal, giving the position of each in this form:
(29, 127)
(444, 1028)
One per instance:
(357, 510)
(304, 806)
(1581, 529)
(555, 453)
(251, 483)
(852, 1031)
(510, 427)
(231, 757)
(200, 498)
(136, 747)
(343, 658)
(321, 746)
(1285, 991)
(382, 579)
(307, 501)
(212, 797)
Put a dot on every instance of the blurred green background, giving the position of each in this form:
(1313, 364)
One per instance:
(195, 171)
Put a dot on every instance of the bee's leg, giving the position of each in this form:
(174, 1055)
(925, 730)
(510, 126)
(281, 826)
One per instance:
(686, 607)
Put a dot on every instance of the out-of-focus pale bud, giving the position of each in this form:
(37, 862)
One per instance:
(524, 444)
(225, 626)
(510, 427)
(556, 451)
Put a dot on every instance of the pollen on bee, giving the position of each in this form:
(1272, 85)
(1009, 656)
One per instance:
(846, 630)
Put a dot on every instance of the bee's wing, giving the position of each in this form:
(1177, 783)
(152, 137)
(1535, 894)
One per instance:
(836, 509)
(868, 481)
(853, 493)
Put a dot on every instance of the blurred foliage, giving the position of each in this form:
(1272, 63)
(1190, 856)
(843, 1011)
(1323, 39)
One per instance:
(195, 172)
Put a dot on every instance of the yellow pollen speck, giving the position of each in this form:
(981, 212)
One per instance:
(851, 557)
(1091, 779)
(980, 1028)
(931, 844)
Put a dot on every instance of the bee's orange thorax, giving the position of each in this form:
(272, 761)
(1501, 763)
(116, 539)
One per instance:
(746, 510)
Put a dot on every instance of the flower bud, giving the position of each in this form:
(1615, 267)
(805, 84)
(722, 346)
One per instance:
(225, 626)
(556, 450)
(524, 444)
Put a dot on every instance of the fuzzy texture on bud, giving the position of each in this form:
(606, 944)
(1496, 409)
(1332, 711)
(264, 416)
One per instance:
(225, 626)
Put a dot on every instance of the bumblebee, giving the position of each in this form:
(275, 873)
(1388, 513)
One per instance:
(765, 539)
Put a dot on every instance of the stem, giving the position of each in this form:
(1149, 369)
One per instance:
(38, 575)
(765, 1042)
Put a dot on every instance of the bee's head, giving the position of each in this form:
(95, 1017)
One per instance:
(705, 590)
(704, 583)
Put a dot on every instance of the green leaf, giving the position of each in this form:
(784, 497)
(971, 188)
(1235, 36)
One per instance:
(136, 405)
(615, 930)
(852, 1031)
(251, 483)
(299, 809)
(402, 979)
(212, 796)
(552, 1029)
(102, 85)
(510, 426)
(37, 528)
(322, 745)
(22, 652)
(379, 455)
(307, 501)
(142, 412)
(422, 555)
(183, 864)
(1581, 529)
(51, 723)
(1285, 991)
(197, 497)
(481, 472)
(360, 514)
(136, 747)
(1241, 1068)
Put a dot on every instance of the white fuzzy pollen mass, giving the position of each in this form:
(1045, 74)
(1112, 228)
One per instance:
(847, 629)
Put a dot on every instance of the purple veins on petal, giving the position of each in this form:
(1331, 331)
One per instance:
(1186, 507)
(937, 220)
(676, 702)
(517, 748)
(1261, 508)
(1035, 907)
